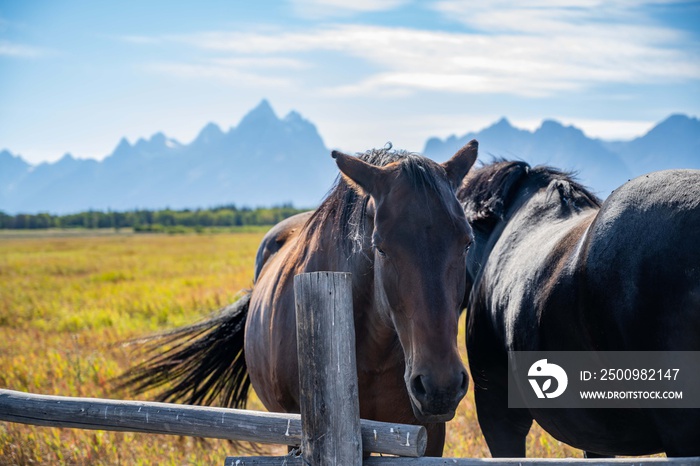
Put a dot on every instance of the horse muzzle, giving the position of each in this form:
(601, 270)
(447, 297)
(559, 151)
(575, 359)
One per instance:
(435, 399)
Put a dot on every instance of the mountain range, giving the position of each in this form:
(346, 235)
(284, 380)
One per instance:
(600, 165)
(267, 160)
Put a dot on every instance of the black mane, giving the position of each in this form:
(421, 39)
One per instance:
(345, 207)
(487, 192)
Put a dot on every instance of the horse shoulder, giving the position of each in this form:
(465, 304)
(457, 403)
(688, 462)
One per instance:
(533, 276)
(557, 299)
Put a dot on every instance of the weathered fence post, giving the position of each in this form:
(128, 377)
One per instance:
(330, 412)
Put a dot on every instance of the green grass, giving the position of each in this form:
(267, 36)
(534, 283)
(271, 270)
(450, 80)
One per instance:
(67, 302)
(92, 232)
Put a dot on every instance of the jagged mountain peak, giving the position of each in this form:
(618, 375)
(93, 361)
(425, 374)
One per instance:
(11, 162)
(294, 116)
(123, 148)
(678, 118)
(210, 133)
(550, 124)
(157, 144)
(503, 122)
(295, 122)
(553, 128)
(262, 113)
(500, 128)
(673, 143)
(123, 143)
(675, 123)
(158, 138)
(6, 154)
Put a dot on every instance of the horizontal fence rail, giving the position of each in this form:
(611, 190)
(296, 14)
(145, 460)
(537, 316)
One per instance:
(193, 421)
(425, 461)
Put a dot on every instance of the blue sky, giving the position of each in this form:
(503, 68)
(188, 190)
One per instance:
(76, 76)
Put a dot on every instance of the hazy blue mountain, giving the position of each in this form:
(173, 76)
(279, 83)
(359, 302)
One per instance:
(264, 160)
(564, 147)
(601, 165)
(267, 160)
(673, 143)
(12, 169)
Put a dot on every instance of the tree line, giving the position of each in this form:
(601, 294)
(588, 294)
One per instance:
(152, 220)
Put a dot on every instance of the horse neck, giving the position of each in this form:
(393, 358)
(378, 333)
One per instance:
(537, 237)
(537, 212)
(377, 344)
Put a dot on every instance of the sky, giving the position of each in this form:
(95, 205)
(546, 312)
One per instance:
(78, 75)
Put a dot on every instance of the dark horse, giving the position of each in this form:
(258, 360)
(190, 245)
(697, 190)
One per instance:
(554, 269)
(394, 222)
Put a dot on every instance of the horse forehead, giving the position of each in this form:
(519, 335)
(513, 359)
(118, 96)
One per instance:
(420, 214)
(411, 194)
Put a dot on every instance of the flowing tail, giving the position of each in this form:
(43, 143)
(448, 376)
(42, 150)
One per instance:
(205, 362)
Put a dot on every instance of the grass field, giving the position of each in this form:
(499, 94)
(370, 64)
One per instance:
(66, 303)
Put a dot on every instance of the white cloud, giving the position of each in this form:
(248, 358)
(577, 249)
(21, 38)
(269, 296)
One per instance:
(533, 48)
(625, 20)
(317, 9)
(261, 63)
(9, 49)
(511, 63)
(228, 73)
(14, 49)
(252, 71)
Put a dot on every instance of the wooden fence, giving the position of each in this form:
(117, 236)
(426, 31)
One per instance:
(328, 430)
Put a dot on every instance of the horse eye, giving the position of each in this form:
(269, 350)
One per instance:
(466, 248)
(375, 241)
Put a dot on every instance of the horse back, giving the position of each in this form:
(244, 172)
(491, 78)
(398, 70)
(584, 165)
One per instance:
(642, 265)
(277, 237)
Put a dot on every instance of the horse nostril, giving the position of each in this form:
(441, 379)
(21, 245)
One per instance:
(465, 381)
(418, 387)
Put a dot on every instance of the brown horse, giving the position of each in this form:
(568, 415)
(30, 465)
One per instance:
(394, 222)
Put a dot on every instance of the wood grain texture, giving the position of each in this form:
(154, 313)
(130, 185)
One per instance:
(389, 461)
(328, 393)
(149, 417)
(194, 421)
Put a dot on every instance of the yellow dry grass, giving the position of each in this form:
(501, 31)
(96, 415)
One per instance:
(67, 302)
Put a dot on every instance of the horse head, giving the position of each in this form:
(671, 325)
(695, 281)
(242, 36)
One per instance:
(419, 238)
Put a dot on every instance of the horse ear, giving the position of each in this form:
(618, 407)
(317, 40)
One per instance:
(358, 173)
(460, 163)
